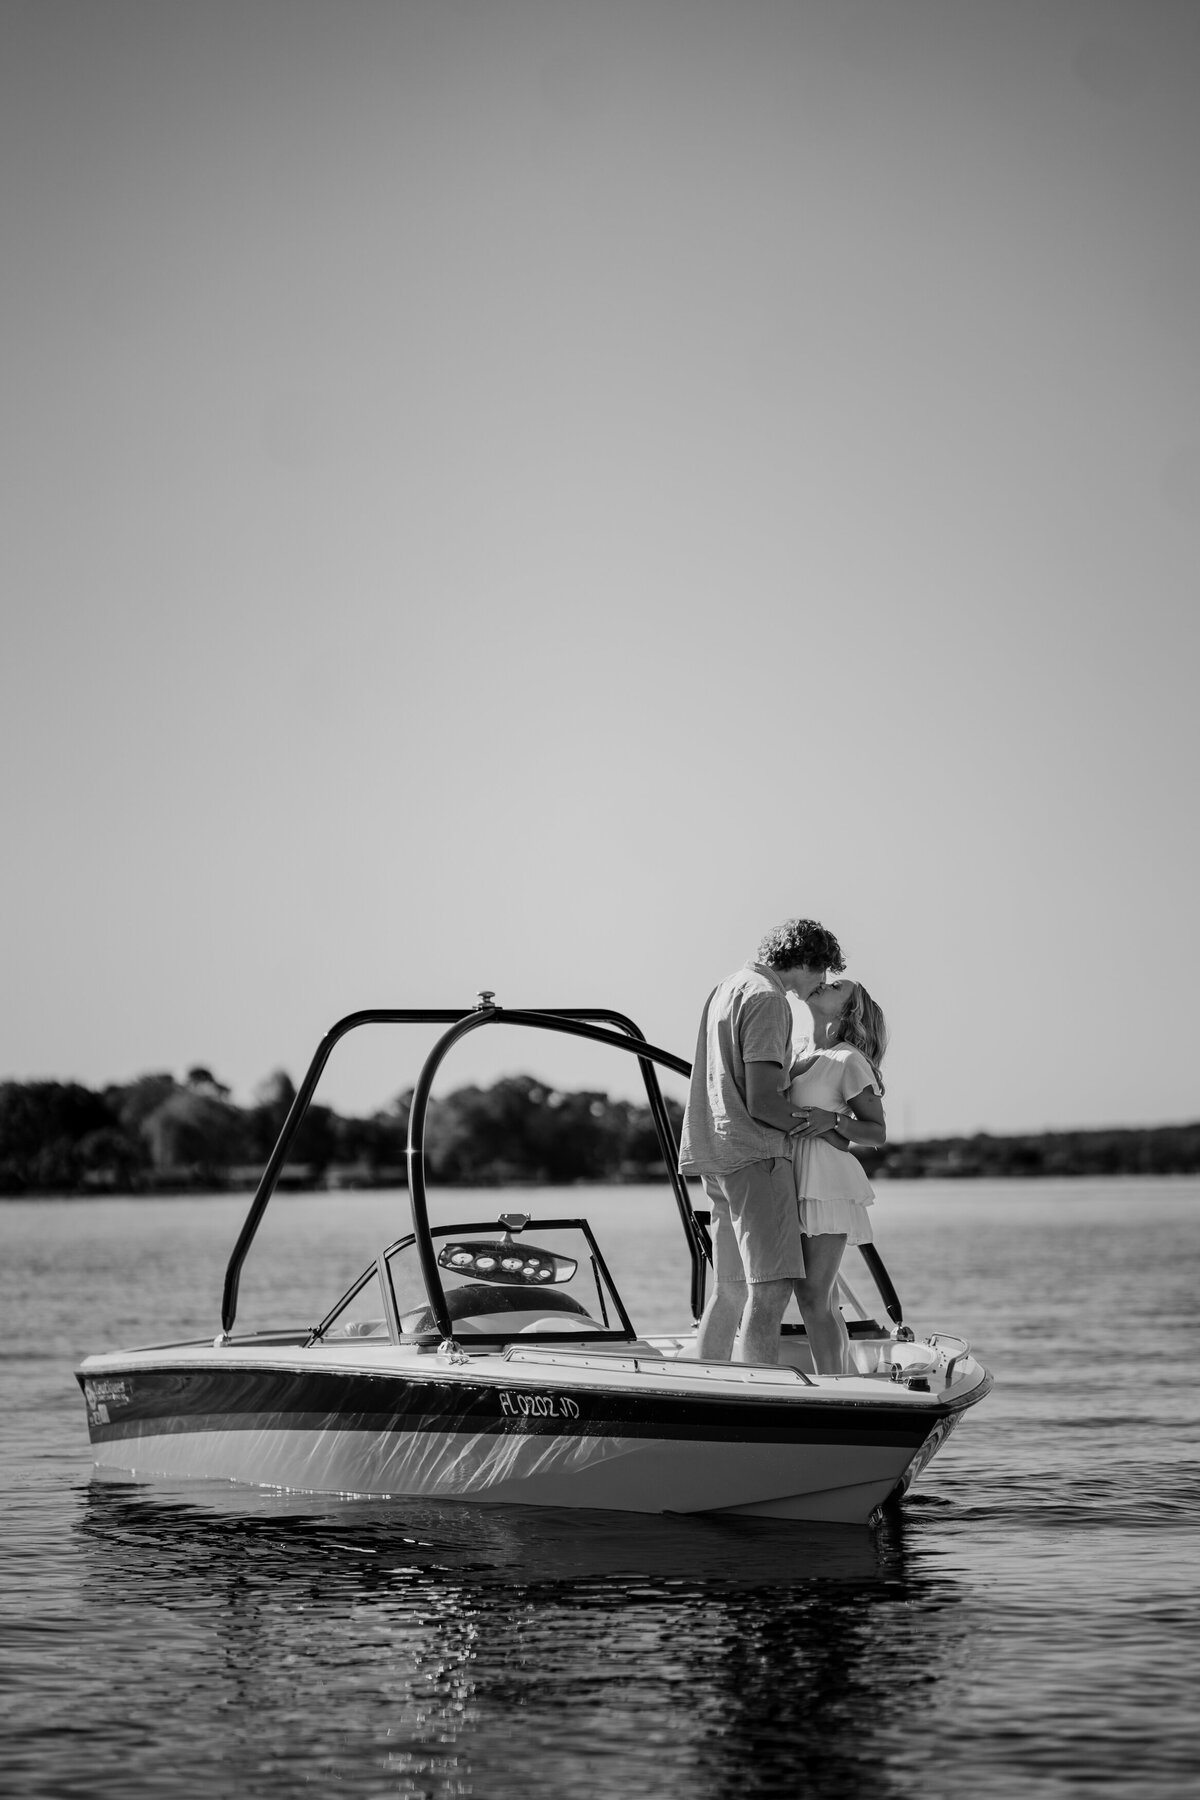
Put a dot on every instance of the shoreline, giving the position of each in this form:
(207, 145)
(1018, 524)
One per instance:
(215, 1190)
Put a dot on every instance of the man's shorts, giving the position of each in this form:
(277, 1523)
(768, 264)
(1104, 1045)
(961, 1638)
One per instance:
(755, 1222)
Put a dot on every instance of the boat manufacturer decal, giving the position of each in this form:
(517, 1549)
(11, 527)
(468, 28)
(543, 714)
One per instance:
(103, 1392)
(538, 1406)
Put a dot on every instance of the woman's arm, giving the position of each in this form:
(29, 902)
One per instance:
(862, 1121)
(857, 1121)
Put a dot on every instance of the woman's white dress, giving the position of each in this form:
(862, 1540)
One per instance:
(832, 1186)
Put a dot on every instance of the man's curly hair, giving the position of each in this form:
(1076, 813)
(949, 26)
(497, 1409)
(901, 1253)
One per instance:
(800, 942)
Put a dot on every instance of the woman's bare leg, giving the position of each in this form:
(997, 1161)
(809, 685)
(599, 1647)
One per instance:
(827, 1334)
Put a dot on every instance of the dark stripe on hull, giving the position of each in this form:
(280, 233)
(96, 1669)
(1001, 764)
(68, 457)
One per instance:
(142, 1403)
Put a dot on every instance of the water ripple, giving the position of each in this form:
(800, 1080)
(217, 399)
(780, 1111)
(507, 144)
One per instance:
(1023, 1624)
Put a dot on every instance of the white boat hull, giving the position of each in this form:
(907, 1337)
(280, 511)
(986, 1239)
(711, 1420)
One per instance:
(619, 1434)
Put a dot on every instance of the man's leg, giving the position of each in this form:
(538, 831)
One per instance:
(722, 1315)
(719, 1322)
(766, 1219)
(765, 1307)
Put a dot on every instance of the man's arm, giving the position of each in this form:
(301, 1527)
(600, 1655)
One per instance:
(766, 1100)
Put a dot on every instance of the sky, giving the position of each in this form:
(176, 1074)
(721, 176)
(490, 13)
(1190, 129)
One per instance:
(528, 495)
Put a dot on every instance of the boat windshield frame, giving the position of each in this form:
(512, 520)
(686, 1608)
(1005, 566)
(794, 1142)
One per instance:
(381, 1268)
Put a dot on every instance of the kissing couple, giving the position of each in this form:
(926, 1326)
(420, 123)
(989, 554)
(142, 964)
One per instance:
(768, 1128)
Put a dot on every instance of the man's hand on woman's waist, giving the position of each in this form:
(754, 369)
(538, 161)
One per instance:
(822, 1124)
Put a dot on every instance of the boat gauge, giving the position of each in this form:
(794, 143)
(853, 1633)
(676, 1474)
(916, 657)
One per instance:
(519, 1265)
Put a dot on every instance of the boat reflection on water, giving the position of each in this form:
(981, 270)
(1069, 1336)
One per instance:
(427, 1642)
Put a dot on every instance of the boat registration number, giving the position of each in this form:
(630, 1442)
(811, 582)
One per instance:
(539, 1406)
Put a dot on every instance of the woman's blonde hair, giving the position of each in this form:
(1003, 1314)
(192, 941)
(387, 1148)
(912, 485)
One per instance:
(863, 1026)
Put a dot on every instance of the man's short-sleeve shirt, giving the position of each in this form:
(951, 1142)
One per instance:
(746, 1018)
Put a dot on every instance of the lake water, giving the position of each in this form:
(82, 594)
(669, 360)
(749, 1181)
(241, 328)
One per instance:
(1026, 1623)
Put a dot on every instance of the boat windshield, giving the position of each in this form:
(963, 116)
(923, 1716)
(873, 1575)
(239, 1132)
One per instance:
(360, 1314)
(533, 1279)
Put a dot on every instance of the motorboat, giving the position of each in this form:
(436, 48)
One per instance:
(493, 1360)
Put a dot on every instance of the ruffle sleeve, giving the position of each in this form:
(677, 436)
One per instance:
(857, 1074)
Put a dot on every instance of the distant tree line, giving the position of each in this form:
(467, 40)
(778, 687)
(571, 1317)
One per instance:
(1131, 1150)
(158, 1134)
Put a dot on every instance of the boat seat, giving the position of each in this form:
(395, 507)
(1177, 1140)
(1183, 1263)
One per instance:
(565, 1322)
(475, 1301)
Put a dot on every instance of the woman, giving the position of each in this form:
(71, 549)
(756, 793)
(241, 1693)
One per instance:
(840, 1082)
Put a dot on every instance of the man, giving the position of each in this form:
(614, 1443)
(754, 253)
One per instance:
(735, 1137)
